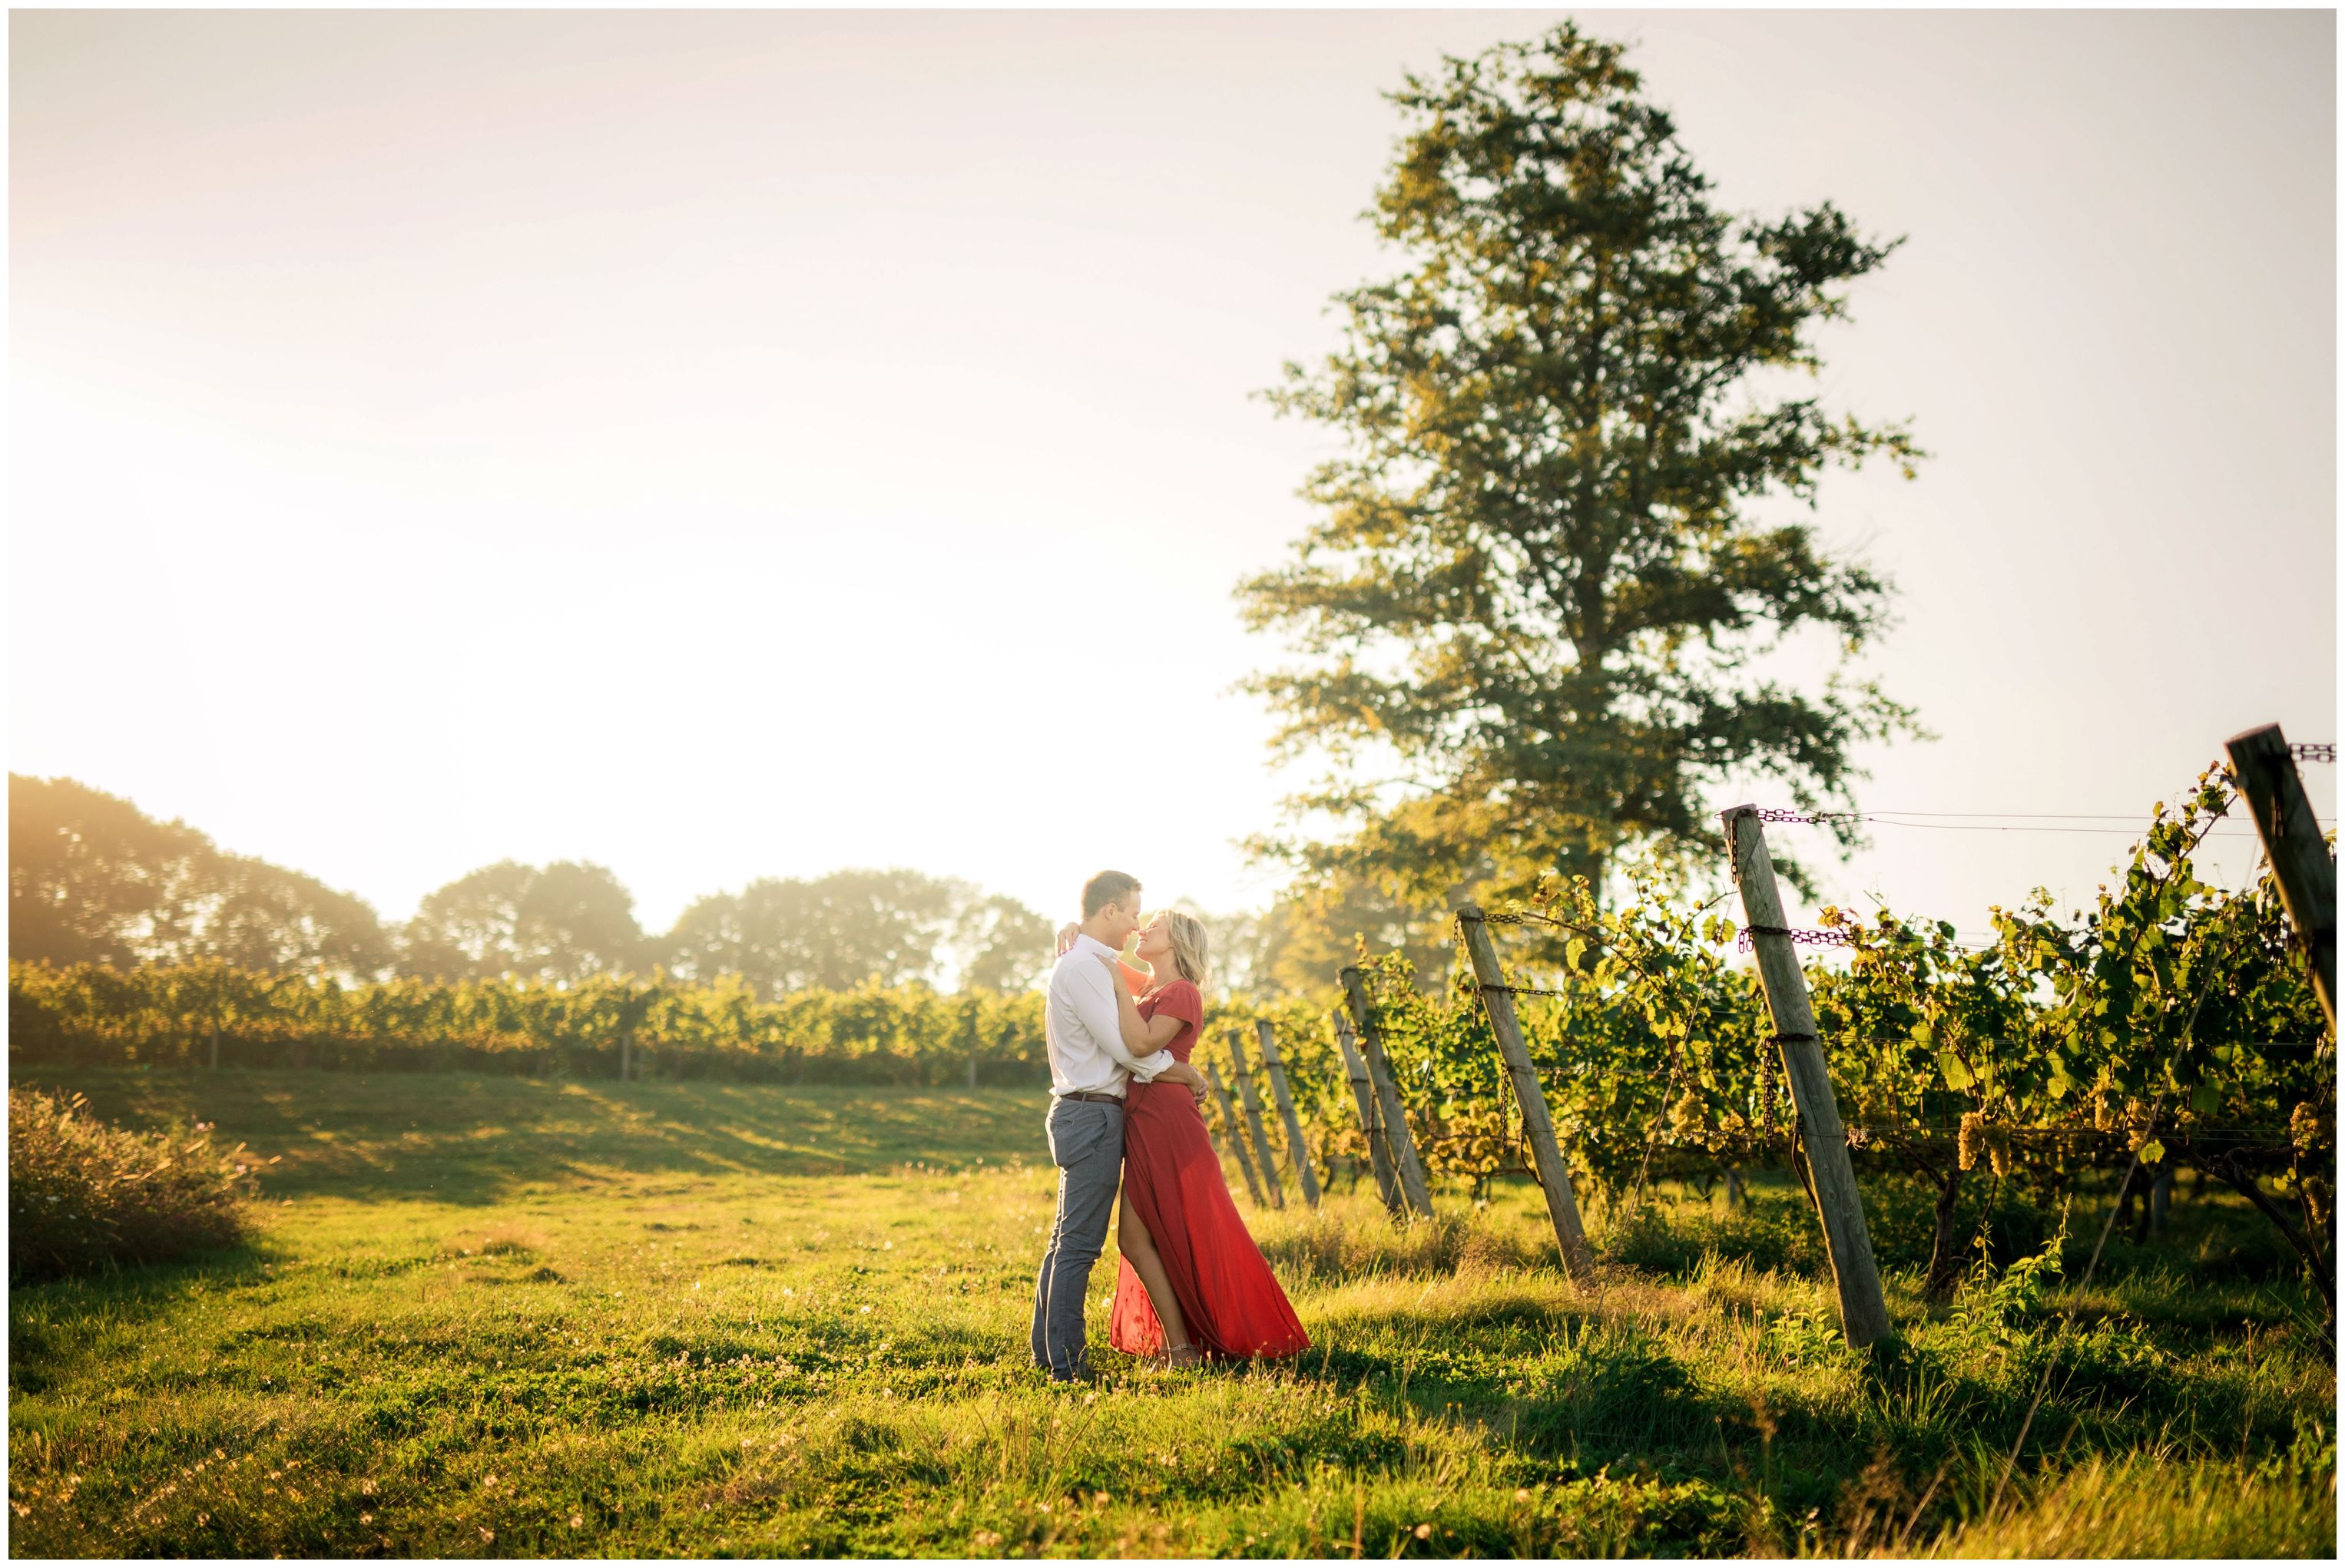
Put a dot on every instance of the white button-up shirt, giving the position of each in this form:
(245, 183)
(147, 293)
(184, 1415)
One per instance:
(1082, 1031)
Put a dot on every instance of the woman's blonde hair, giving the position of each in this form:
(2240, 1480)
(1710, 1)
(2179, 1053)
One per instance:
(1190, 948)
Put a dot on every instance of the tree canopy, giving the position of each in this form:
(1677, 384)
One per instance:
(786, 934)
(562, 922)
(1533, 609)
(92, 879)
(999, 944)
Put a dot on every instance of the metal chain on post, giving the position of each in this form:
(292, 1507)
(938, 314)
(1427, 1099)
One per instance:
(1743, 942)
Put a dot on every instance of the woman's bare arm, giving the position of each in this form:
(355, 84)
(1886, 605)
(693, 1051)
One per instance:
(1140, 1036)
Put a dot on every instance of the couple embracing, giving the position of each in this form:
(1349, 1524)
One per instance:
(1124, 1103)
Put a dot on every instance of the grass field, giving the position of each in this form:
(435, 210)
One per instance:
(500, 1317)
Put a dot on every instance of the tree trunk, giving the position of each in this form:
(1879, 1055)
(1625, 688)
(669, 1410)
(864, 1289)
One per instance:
(2307, 1248)
(2161, 1195)
(1945, 1254)
(2127, 1191)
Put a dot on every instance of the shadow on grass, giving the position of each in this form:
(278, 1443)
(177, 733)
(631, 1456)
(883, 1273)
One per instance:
(468, 1139)
(39, 1347)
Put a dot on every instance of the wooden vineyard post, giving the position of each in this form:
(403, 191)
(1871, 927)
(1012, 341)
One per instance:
(1237, 1135)
(1275, 1070)
(626, 1053)
(1253, 1122)
(1364, 1095)
(1393, 1119)
(1863, 1315)
(2300, 857)
(1538, 1128)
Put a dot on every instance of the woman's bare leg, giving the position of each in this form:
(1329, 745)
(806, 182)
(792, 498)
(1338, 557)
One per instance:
(1138, 1249)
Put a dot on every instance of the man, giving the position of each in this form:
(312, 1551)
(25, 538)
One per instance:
(1090, 1067)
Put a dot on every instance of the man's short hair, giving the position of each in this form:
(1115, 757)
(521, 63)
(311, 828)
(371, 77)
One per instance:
(1108, 887)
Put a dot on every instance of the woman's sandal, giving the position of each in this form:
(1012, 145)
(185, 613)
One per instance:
(1183, 1355)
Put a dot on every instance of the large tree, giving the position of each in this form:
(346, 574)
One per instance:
(998, 942)
(93, 879)
(266, 917)
(560, 922)
(834, 931)
(1546, 565)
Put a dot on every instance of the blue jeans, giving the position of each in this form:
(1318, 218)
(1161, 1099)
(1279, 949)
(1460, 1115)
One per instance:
(1087, 1145)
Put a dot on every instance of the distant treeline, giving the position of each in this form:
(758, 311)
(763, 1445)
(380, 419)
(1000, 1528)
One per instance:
(94, 880)
(208, 1012)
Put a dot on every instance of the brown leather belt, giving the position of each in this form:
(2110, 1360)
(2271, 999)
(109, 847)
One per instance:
(1093, 1097)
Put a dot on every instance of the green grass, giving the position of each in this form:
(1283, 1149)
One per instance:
(499, 1317)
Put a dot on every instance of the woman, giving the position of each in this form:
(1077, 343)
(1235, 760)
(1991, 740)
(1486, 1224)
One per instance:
(1191, 1282)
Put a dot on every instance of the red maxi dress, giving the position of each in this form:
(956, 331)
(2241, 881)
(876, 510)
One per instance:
(1173, 1179)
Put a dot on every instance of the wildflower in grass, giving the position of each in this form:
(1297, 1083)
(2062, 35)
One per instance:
(487, 1533)
(1522, 1495)
(366, 1519)
(576, 1520)
(1425, 1532)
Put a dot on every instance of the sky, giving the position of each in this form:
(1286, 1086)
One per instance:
(719, 445)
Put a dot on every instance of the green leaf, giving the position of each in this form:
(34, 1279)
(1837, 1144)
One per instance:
(2152, 1152)
(1951, 1068)
(2206, 1099)
(2058, 1082)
